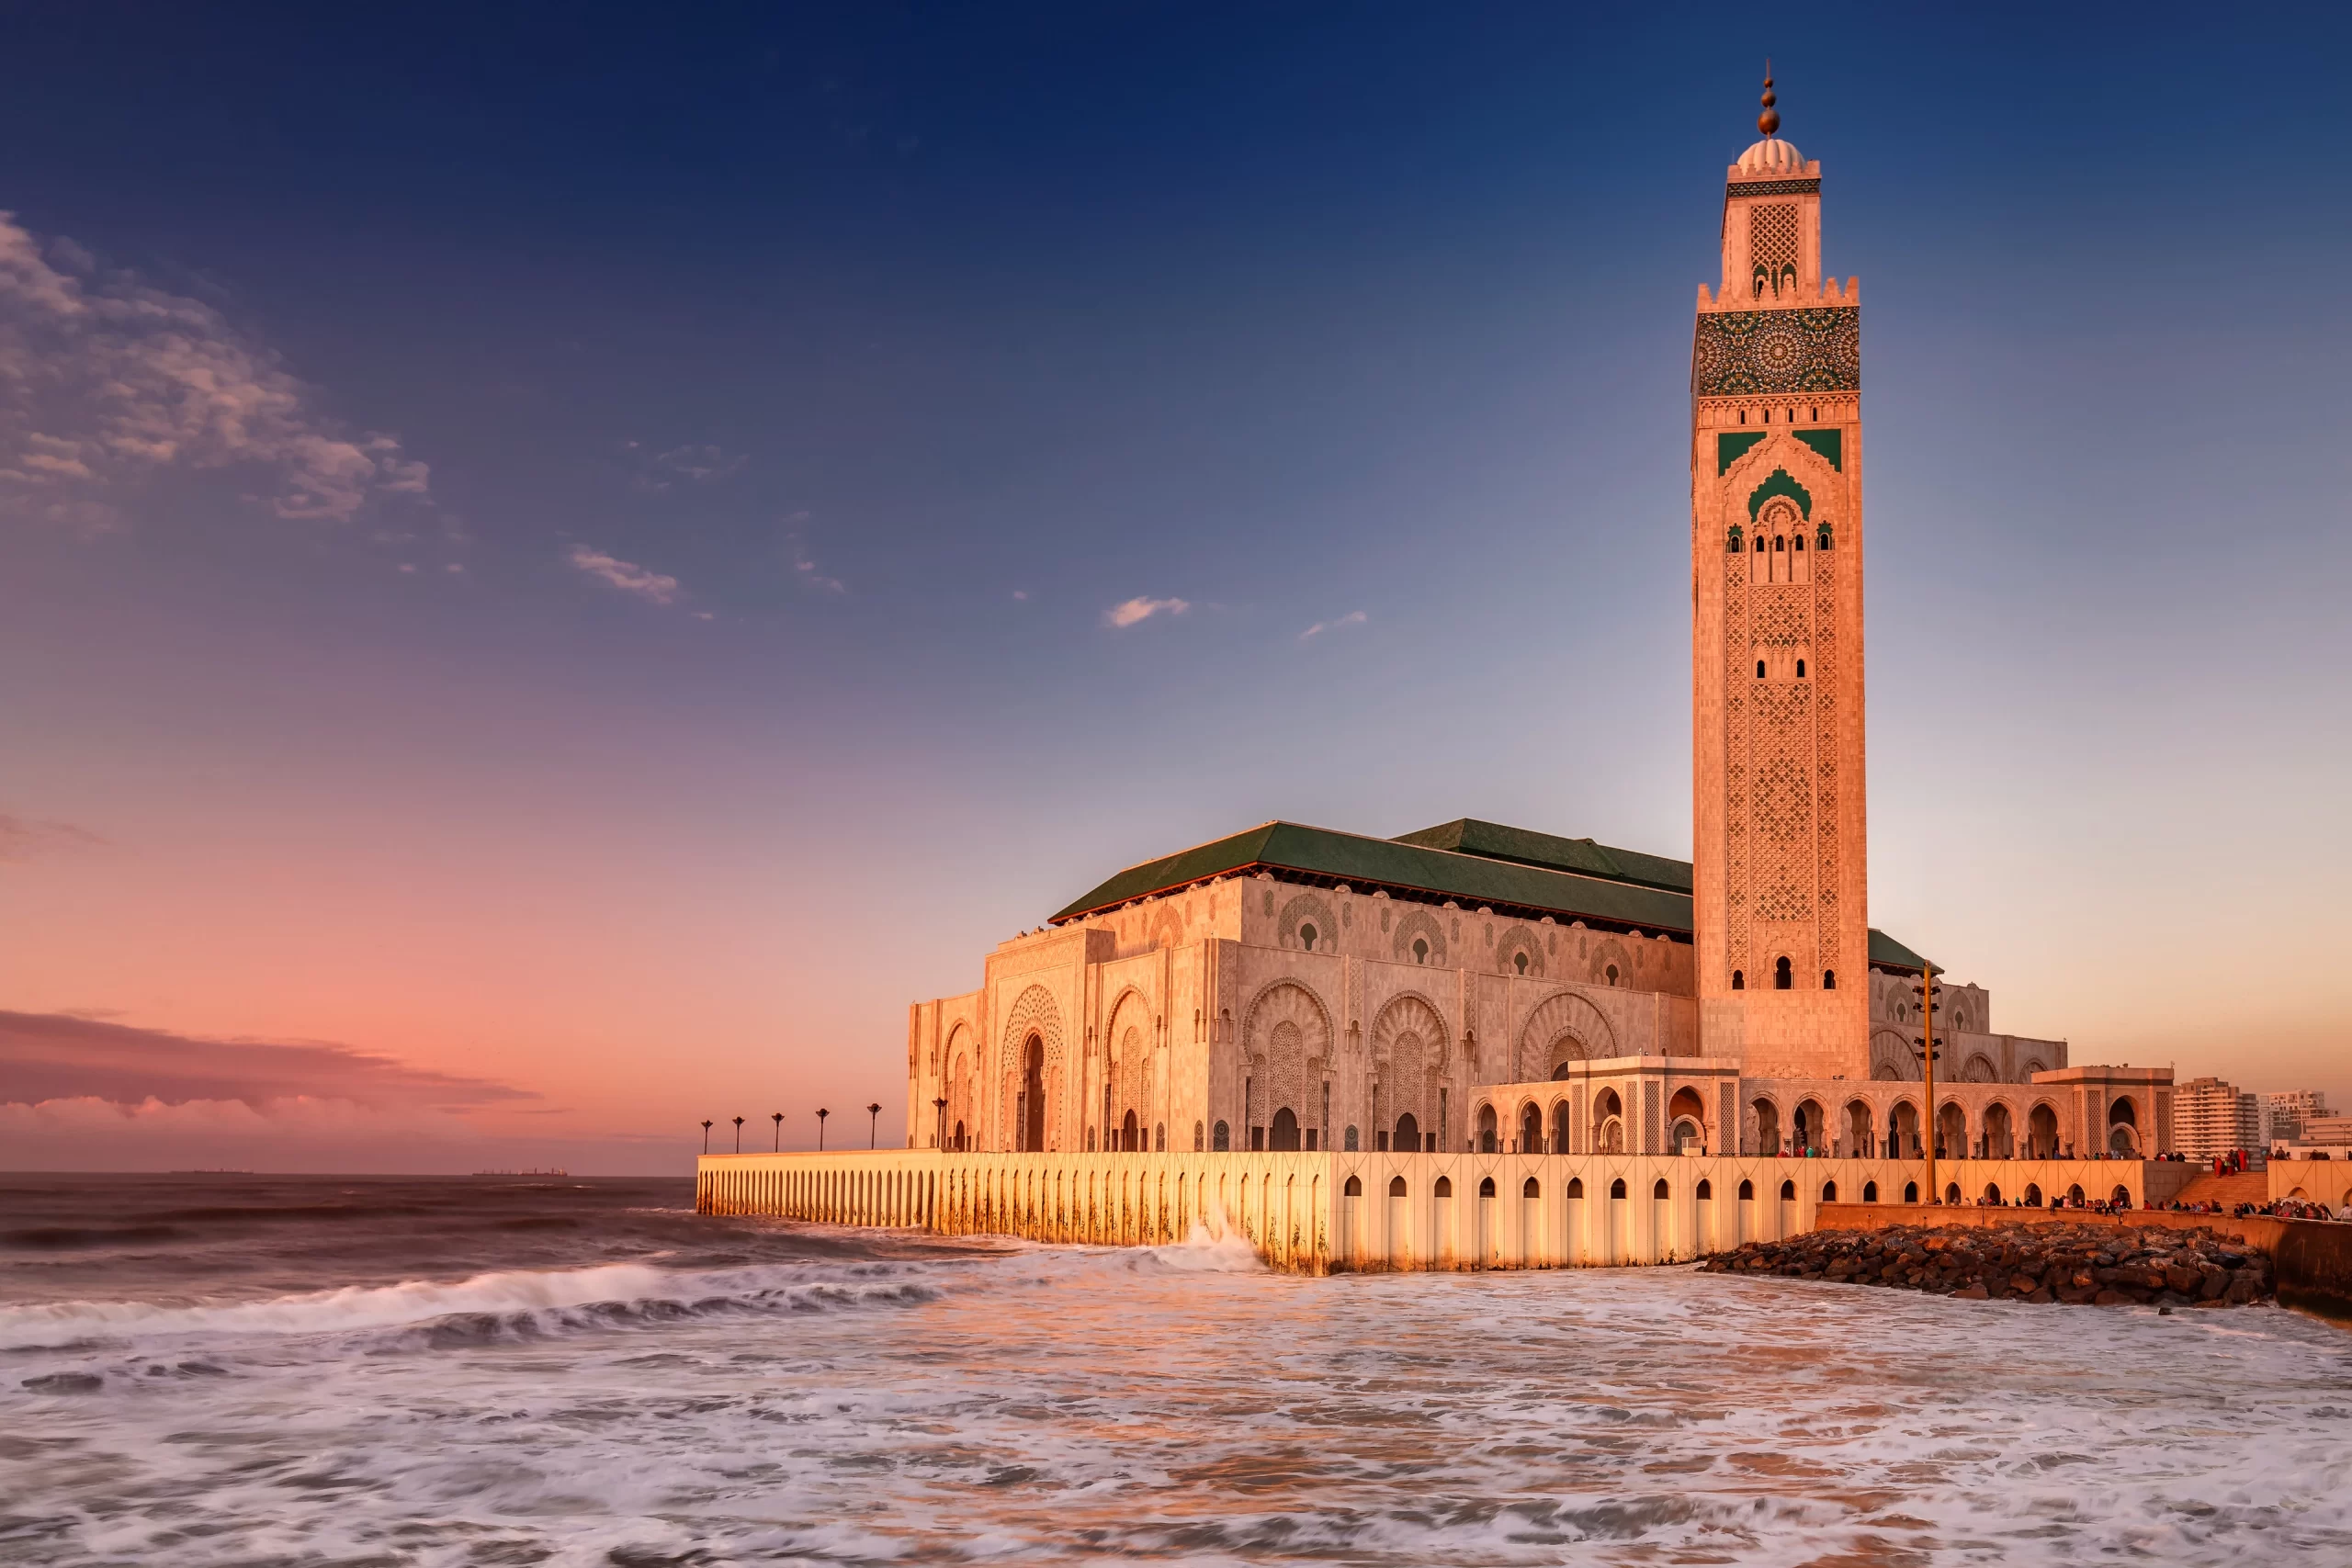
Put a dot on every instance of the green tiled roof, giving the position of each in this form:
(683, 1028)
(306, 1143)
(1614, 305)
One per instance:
(1468, 861)
(1886, 951)
(1468, 877)
(1469, 836)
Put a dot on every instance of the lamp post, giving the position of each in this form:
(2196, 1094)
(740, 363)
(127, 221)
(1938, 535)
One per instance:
(1926, 991)
(821, 1114)
(706, 1135)
(872, 1124)
(941, 1105)
(777, 1117)
(738, 1134)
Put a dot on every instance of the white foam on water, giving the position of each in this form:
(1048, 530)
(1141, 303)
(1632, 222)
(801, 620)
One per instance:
(517, 1296)
(1074, 1404)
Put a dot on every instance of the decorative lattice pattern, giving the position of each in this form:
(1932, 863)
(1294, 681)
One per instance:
(1744, 353)
(1772, 187)
(1773, 245)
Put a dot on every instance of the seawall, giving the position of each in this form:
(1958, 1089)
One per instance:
(1332, 1212)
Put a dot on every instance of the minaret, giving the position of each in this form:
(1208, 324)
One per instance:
(1776, 565)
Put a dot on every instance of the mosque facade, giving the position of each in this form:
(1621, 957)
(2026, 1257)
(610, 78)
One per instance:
(1478, 989)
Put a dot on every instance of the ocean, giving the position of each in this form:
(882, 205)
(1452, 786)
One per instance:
(221, 1370)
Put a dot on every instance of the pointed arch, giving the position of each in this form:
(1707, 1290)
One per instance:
(1287, 1036)
(1032, 1013)
(1563, 1027)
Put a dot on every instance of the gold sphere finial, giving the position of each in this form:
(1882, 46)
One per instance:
(1769, 120)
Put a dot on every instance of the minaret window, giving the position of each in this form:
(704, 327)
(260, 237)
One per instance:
(1782, 979)
(1830, 979)
(1799, 668)
(1738, 981)
(1759, 669)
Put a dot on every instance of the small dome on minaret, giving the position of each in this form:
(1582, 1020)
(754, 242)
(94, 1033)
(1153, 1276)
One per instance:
(1771, 155)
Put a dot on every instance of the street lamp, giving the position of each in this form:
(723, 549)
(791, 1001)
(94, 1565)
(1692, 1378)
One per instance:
(1926, 991)
(738, 1134)
(778, 1119)
(874, 1124)
(706, 1135)
(821, 1114)
(942, 1103)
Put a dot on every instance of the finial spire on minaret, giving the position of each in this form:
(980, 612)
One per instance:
(1769, 120)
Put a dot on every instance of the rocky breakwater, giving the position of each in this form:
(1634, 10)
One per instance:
(2079, 1264)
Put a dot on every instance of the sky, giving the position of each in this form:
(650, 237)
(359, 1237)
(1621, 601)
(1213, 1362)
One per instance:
(559, 566)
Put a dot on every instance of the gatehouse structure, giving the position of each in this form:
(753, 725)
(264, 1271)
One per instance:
(1430, 1009)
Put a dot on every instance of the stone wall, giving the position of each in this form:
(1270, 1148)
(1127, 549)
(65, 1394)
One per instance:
(1333, 1211)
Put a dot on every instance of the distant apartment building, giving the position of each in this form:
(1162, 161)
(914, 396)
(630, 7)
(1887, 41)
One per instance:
(2210, 1118)
(2285, 1112)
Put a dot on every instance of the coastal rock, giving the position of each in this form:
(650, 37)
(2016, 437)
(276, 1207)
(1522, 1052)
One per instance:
(2025, 1261)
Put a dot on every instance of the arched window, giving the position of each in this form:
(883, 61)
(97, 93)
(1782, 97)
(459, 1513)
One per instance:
(1830, 979)
(1285, 1131)
(1489, 1140)
(1759, 544)
(1759, 669)
(1705, 1191)
(1395, 1187)
(1788, 1191)
(1870, 1192)
(1354, 1189)
(1829, 1192)
(1420, 950)
(1160, 1137)
(1796, 542)
(1408, 1134)
(1661, 1191)
(1306, 938)
(1779, 543)
(1612, 972)
(1821, 537)
(1617, 1188)
(1353, 1137)
(1196, 1137)
(1782, 978)
(1576, 1188)
(1747, 1192)
(1444, 1188)
(1531, 1131)
(1738, 981)
(1910, 1191)
(1486, 1188)
(1532, 1188)
(1519, 961)
(1224, 1138)
(1799, 668)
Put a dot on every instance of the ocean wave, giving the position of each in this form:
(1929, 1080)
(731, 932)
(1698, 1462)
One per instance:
(510, 1304)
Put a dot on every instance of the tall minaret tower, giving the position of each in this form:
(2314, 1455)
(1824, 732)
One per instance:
(1776, 636)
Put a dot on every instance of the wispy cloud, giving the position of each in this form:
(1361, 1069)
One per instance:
(63, 1056)
(627, 576)
(107, 381)
(1352, 618)
(21, 838)
(694, 463)
(804, 565)
(1141, 609)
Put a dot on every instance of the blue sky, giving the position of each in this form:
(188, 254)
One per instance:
(657, 610)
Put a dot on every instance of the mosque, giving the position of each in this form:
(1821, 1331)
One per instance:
(1317, 1037)
(1478, 987)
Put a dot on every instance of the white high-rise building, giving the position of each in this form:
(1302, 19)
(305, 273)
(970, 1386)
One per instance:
(2211, 1118)
(2285, 1111)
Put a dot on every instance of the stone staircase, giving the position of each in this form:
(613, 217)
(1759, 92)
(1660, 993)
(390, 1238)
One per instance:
(2244, 1186)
